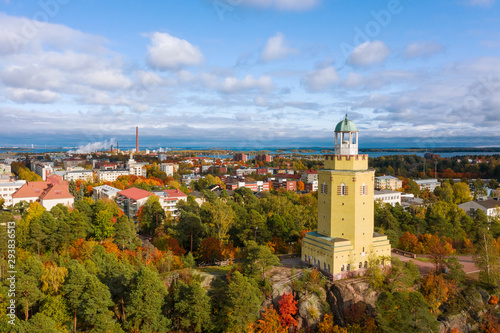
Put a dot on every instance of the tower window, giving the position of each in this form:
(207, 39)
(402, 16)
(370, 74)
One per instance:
(324, 188)
(342, 189)
(363, 189)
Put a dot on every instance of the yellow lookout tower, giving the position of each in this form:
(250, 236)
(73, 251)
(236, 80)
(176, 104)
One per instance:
(345, 237)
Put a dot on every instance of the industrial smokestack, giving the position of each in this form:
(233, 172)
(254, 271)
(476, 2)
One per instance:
(137, 139)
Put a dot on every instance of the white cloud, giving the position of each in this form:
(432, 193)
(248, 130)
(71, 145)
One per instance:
(481, 3)
(285, 5)
(32, 96)
(422, 50)
(276, 48)
(167, 52)
(321, 78)
(369, 53)
(492, 44)
(233, 84)
(260, 101)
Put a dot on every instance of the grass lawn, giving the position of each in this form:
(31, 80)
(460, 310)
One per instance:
(216, 270)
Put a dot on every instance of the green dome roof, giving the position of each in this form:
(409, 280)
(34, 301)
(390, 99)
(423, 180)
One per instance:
(346, 126)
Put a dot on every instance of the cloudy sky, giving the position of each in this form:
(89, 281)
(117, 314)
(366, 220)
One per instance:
(249, 73)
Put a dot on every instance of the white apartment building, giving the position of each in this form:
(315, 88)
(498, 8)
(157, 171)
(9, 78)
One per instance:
(136, 168)
(87, 175)
(110, 175)
(429, 184)
(43, 169)
(9, 187)
(104, 192)
(169, 168)
(387, 196)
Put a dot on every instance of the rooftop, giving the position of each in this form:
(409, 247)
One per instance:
(346, 125)
(135, 193)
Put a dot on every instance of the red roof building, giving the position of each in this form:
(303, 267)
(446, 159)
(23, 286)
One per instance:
(49, 193)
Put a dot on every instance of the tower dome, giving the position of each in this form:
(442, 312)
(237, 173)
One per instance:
(346, 138)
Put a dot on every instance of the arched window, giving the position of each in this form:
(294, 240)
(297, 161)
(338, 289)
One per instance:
(348, 267)
(342, 268)
(324, 266)
(314, 261)
(360, 264)
(366, 264)
(324, 188)
(329, 268)
(342, 189)
(363, 189)
(319, 264)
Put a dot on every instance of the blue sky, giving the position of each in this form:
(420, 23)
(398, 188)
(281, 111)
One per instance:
(250, 73)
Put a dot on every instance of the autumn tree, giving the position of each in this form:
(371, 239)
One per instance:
(258, 259)
(487, 258)
(220, 218)
(287, 310)
(151, 215)
(269, 323)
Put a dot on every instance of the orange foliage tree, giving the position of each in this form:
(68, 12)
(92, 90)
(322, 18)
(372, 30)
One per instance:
(437, 289)
(287, 309)
(270, 323)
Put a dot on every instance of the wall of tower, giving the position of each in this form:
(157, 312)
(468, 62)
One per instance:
(346, 162)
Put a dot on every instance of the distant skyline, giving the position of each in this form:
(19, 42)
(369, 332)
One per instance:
(250, 73)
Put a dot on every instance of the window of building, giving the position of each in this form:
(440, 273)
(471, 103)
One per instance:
(348, 267)
(324, 188)
(363, 189)
(324, 266)
(360, 264)
(342, 189)
(366, 264)
(329, 268)
(342, 268)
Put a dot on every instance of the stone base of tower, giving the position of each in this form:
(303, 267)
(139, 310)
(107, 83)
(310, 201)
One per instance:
(337, 256)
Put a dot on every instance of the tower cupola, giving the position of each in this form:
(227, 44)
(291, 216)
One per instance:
(346, 138)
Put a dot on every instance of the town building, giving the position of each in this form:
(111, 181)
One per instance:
(388, 183)
(244, 171)
(309, 176)
(169, 200)
(136, 168)
(8, 187)
(87, 175)
(311, 187)
(263, 158)
(388, 197)
(258, 186)
(5, 169)
(490, 207)
(110, 175)
(169, 168)
(73, 162)
(49, 193)
(240, 157)
(345, 237)
(43, 169)
(289, 185)
(130, 200)
(427, 184)
(104, 192)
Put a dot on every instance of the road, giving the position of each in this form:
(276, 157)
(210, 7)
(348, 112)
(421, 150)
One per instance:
(424, 267)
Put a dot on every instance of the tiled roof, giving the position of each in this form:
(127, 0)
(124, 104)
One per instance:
(44, 190)
(58, 191)
(311, 172)
(30, 190)
(175, 193)
(135, 193)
